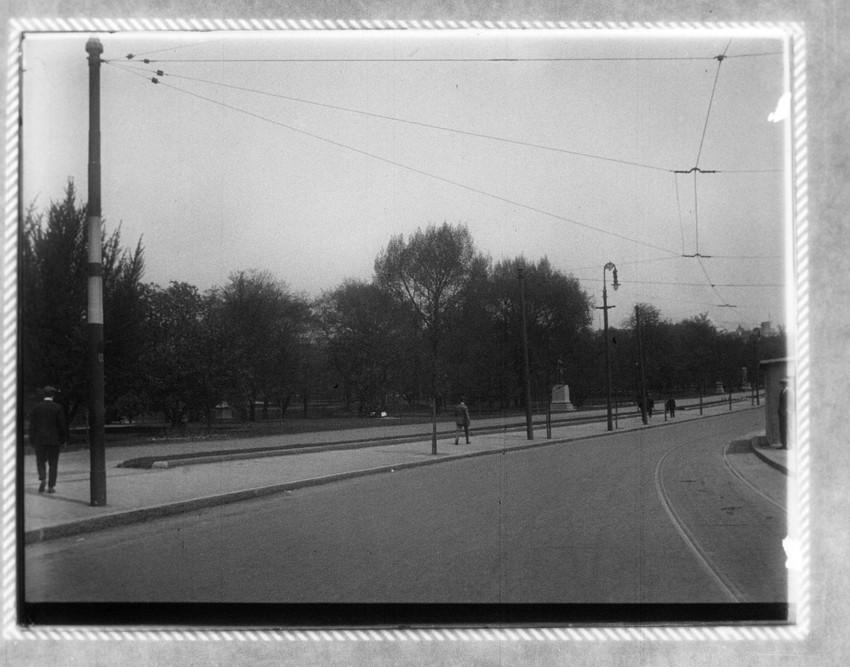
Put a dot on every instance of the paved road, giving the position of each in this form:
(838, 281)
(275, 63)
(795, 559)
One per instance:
(646, 517)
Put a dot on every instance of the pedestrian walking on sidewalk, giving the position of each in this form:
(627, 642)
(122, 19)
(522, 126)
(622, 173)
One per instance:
(670, 406)
(461, 420)
(785, 400)
(47, 435)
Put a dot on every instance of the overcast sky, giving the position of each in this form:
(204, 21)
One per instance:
(302, 153)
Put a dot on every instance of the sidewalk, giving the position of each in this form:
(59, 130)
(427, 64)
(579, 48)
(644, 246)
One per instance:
(135, 494)
(773, 455)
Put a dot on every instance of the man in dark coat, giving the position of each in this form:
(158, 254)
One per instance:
(47, 435)
(461, 420)
(784, 412)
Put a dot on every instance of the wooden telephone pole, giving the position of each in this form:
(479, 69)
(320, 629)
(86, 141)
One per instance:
(95, 285)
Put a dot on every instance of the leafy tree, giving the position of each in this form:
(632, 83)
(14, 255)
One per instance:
(123, 330)
(54, 278)
(557, 319)
(431, 274)
(657, 341)
(175, 356)
(265, 331)
(697, 355)
(367, 341)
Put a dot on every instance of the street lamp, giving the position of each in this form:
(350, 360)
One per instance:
(608, 267)
(529, 428)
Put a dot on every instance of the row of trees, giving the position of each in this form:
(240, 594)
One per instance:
(438, 319)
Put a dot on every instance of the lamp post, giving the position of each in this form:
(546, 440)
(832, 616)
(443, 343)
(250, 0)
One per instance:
(755, 379)
(608, 267)
(529, 428)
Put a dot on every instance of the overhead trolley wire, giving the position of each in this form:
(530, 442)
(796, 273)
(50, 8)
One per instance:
(725, 303)
(452, 60)
(710, 102)
(480, 135)
(679, 209)
(133, 56)
(595, 267)
(408, 167)
(677, 299)
(696, 170)
(443, 128)
(683, 284)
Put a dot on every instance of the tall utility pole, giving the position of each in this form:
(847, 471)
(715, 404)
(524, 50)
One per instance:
(434, 424)
(529, 429)
(608, 267)
(95, 285)
(644, 405)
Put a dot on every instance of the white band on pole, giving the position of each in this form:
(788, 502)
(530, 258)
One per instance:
(95, 294)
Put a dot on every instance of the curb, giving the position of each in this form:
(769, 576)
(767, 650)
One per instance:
(758, 443)
(127, 517)
(290, 450)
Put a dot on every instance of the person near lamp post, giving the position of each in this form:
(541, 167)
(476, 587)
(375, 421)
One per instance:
(47, 435)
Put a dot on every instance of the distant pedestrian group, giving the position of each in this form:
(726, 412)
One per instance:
(47, 434)
(461, 421)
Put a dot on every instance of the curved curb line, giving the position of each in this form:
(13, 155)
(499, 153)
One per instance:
(754, 445)
(743, 478)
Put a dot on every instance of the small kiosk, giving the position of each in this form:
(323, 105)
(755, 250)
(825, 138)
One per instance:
(774, 370)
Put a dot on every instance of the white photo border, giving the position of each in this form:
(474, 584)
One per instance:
(798, 543)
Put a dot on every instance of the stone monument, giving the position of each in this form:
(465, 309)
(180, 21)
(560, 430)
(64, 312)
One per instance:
(561, 399)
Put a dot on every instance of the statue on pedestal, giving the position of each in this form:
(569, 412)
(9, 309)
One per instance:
(560, 401)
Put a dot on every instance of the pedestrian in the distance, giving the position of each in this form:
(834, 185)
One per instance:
(461, 420)
(784, 411)
(671, 406)
(47, 435)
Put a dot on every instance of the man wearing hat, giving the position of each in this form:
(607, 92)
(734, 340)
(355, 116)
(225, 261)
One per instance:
(47, 435)
(784, 411)
(461, 420)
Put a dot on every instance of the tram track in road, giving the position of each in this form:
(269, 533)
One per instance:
(733, 528)
(728, 588)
